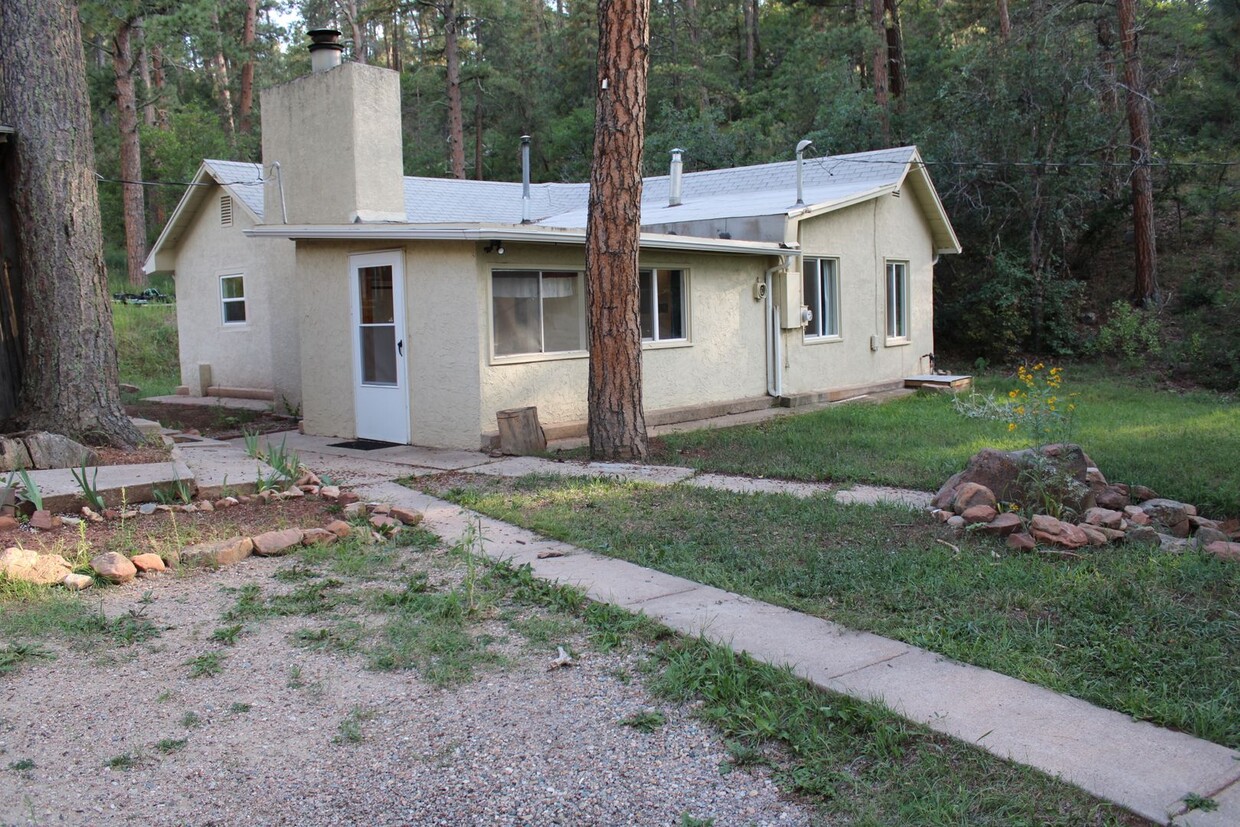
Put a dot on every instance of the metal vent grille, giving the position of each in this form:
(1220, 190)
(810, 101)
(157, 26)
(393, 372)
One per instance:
(226, 210)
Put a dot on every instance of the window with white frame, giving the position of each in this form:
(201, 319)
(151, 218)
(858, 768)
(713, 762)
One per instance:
(822, 296)
(232, 299)
(537, 311)
(897, 300)
(662, 305)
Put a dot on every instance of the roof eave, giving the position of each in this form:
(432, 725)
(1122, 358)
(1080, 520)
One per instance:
(157, 258)
(501, 232)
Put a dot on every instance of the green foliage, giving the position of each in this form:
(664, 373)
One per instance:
(90, 489)
(1132, 334)
(146, 347)
(648, 720)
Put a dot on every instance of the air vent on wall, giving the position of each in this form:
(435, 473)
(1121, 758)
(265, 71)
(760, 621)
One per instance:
(226, 210)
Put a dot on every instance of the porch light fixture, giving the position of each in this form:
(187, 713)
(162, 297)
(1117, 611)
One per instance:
(496, 247)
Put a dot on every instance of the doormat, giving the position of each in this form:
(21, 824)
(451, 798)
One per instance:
(365, 445)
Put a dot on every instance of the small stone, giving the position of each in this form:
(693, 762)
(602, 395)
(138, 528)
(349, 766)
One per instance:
(44, 520)
(1206, 535)
(1094, 534)
(147, 509)
(148, 562)
(277, 543)
(1115, 496)
(165, 508)
(1047, 529)
(1021, 542)
(125, 387)
(218, 553)
(1190, 510)
(941, 514)
(384, 522)
(1141, 493)
(318, 537)
(340, 528)
(955, 521)
(410, 516)
(1094, 477)
(1175, 545)
(77, 582)
(1201, 522)
(1004, 524)
(331, 493)
(308, 478)
(970, 494)
(1224, 551)
(206, 505)
(378, 508)
(8, 523)
(1112, 534)
(309, 490)
(347, 498)
(221, 504)
(1136, 515)
(292, 493)
(229, 502)
(1102, 517)
(91, 515)
(246, 498)
(14, 560)
(1181, 529)
(114, 567)
(973, 515)
(1166, 512)
(1142, 535)
(70, 521)
(354, 508)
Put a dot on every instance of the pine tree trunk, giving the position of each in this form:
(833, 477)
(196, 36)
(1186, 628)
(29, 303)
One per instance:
(878, 69)
(144, 72)
(456, 119)
(245, 102)
(69, 382)
(1005, 22)
(133, 201)
(1146, 283)
(219, 76)
(617, 422)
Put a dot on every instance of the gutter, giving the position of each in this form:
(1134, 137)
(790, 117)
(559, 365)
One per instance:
(503, 232)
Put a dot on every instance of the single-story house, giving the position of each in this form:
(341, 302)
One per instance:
(412, 310)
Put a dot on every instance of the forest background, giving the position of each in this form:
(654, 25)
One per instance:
(1019, 109)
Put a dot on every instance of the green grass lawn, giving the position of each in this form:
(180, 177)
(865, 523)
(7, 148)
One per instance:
(1151, 634)
(1184, 445)
(146, 346)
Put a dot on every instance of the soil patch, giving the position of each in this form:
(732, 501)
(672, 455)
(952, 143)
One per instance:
(213, 421)
(141, 455)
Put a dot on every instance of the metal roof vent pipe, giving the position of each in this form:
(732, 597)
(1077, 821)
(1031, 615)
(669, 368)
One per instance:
(677, 173)
(325, 49)
(525, 179)
(801, 147)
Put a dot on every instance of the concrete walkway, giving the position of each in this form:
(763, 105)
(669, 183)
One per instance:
(1141, 767)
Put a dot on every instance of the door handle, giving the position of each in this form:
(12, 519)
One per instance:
(400, 347)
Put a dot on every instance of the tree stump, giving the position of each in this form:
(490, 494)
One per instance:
(519, 432)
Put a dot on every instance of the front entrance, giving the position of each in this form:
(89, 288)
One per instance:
(381, 390)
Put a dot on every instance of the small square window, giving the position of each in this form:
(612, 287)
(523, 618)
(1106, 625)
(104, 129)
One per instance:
(822, 296)
(662, 305)
(232, 299)
(897, 300)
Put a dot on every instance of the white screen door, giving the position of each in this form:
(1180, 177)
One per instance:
(381, 389)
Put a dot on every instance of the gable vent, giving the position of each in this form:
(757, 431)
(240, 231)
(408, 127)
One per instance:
(226, 207)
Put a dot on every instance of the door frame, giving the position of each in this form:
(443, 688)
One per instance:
(394, 400)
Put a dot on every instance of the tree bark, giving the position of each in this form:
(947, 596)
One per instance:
(456, 118)
(133, 200)
(69, 382)
(617, 422)
(1145, 264)
(245, 102)
(219, 78)
(1005, 22)
(878, 70)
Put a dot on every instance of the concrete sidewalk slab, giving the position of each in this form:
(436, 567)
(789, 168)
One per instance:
(213, 401)
(114, 483)
(441, 459)
(875, 494)
(1143, 768)
(521, 466)
(222, 467)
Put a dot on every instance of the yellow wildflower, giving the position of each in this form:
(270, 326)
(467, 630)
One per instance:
(1011, 426)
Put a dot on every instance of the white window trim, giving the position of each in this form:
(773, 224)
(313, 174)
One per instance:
(896, 339)
(224, 302)
(826, 338)
(553, 356)
(686, 291)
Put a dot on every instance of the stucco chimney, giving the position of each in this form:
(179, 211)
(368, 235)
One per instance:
(336, 136)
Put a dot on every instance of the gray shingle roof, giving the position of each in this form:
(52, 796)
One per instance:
(764, 189)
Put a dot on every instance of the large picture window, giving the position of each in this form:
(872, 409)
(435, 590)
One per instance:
(537, 311)
(897, 300)
(662, 305)
(232, 299)
(822, 295)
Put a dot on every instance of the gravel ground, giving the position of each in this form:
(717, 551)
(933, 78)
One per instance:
(520, 745)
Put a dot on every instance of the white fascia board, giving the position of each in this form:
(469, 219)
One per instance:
(156, 258)
(502, 232)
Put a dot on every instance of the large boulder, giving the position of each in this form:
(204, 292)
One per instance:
(1008, 474)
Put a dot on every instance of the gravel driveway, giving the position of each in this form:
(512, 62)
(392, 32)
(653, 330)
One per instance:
(289, 735)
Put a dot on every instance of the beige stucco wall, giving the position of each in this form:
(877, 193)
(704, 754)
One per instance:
(724, 359)
(864, 237)
(262, 352)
